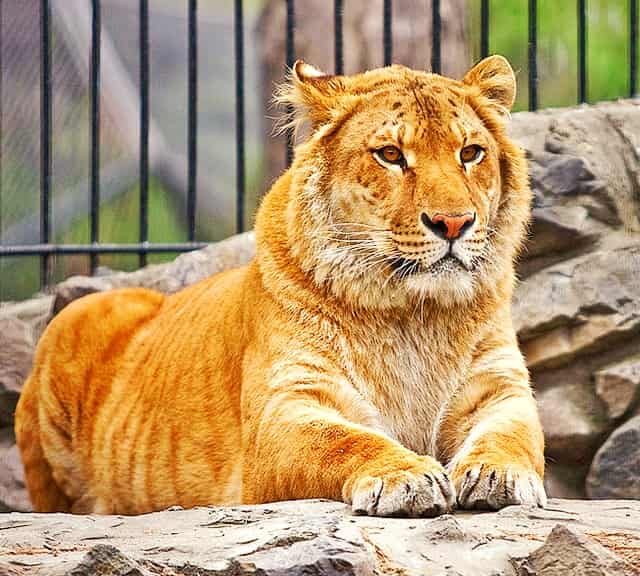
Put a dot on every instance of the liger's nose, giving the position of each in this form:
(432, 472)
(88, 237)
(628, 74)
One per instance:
(449, 226)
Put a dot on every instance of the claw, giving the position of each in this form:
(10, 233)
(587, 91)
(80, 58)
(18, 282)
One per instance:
(485, 486)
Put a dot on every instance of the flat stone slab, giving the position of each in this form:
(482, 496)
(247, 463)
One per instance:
(311, 537)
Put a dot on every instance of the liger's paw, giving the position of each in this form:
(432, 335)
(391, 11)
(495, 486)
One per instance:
(419, 488)
(484, 486)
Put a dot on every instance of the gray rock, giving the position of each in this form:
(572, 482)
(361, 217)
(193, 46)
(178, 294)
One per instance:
(186, 269)
(566, 552)
(34, 312)
(615, 470)
(570, 166)
(558, 232)
(107, 561)
(445, 527)
(16, 355)
(307, 537)
(618, 386)
(580, 306)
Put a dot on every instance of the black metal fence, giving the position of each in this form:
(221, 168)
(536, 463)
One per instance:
(46, 247)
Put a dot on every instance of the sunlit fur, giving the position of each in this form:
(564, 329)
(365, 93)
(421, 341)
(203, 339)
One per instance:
(347, 361)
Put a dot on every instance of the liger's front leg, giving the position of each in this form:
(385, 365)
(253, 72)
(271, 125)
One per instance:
(314, 439)
(492, 437)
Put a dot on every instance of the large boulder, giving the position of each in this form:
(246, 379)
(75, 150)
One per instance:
(577, 309)
(580, 306)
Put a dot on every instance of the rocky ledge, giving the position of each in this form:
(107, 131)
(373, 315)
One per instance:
(322, 537)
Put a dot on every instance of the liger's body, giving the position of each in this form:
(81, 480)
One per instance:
(322, 369)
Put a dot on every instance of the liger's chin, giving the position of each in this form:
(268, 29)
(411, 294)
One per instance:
(447, 285)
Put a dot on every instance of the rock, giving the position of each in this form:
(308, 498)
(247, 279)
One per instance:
(573, 422)
(566, 174)
(619, 386)
(35, 312)
(186, 269)
(580, 306)
(615, 470)
(13, 492)
(571, 167)
(567, 552)
(312, 537)
(107, 561)
(16, 355)
(556, 233)
(445, 527)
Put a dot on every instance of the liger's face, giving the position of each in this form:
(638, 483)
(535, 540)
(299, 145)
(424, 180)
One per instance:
(411, 179)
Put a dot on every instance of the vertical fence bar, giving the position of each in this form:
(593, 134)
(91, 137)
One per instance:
(239, 55)
(337, 39)
(1, 127)
(144, 128)
(45, 134)
(435, 36)
(387, 38)
(633, 47)
(582, 51)
(533, 55)
(94, 168)
(192, 152)
(291, 24)
(484, 28)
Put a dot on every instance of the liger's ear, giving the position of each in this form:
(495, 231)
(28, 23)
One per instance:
(311, 92)
(496, 81)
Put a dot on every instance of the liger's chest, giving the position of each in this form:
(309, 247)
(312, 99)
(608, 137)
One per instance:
(409, 372)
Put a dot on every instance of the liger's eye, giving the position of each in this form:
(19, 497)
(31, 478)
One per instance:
(391, 155)
(471, 153)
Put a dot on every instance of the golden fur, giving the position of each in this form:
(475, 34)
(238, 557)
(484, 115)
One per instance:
(349, 360)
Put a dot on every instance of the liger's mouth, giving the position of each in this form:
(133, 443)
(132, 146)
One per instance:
(405, 267)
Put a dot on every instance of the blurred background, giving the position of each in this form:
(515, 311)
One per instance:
(265, 47)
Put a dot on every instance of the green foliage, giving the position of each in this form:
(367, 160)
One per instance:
(607, 47)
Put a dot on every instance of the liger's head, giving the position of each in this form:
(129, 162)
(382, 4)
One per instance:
(407, 185)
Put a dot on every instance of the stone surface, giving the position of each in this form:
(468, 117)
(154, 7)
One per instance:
(319, 538)
(619, 386)
(615, 470)
(566, 551)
